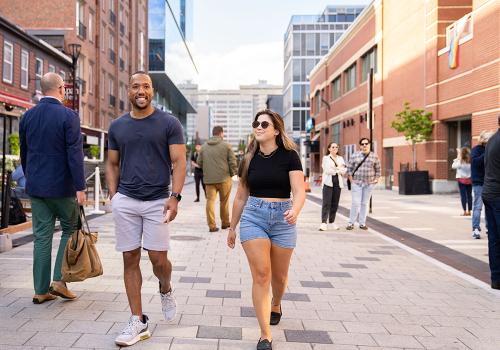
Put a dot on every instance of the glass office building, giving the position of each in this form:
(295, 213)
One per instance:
(170, 58)
(307, 39)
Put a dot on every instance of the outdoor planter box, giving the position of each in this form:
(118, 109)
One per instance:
(414, 182)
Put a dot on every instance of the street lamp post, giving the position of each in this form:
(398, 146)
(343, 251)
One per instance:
(74, 51)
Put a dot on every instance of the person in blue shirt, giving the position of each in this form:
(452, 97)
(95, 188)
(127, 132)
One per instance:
(52, 161)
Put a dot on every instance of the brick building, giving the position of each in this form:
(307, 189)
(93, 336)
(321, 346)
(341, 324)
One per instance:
(23, 58)
(408, 43)
(113, 36)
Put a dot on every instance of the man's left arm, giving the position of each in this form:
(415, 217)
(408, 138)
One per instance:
(74, 148)
(23, 144)
(376, 166)
(231, 158)
(178, 158)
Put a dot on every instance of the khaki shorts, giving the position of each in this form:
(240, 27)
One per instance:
(139, 224)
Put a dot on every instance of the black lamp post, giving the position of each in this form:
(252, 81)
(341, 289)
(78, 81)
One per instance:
(74, 51)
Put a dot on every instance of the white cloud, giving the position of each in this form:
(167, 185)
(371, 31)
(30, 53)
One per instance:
(245, 64)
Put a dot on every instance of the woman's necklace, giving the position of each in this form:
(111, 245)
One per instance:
(267, 155)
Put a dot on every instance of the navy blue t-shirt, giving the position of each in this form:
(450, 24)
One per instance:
(145, 164)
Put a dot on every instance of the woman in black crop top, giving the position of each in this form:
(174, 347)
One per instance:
(270, 170)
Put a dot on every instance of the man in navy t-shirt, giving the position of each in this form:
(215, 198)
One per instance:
(144, 146)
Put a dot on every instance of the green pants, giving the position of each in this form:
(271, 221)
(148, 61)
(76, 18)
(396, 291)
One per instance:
(45, 211)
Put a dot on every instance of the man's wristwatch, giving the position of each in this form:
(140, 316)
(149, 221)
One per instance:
(176, 196)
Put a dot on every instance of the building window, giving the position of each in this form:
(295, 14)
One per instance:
(460, 29)
(80, 27)
(112, 92)
(25, 57)
(8, 59)
(350, 74)
(91, 78)
(38, 74)
(52, 68)
(336, 88)
(103, 37)
(141, 51)
(112, 54)
(63, 75)
(317, 99)
(369, 60)
(101, 86)
(91, 27)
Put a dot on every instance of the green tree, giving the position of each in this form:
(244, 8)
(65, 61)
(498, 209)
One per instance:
(14, 144)
(416, 125)
(94, 151)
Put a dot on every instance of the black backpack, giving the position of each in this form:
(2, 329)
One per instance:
(16, 211)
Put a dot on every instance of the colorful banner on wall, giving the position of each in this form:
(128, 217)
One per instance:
(455, 36)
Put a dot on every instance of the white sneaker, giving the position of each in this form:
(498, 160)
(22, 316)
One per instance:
(134, 331)
(335, 227)
(168, 304)
(323, 226)
(476, 234)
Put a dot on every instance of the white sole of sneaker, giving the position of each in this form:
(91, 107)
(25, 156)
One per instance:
(170, 319)
(141, 336)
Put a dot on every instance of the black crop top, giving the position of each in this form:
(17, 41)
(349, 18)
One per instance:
(268, 177)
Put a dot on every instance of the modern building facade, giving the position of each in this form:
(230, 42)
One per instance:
(307, 39)
(232, 109)
(24, 59)
(112, 35)
(170, 59)
(412, 63)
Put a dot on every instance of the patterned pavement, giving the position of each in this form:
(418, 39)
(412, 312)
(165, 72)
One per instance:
(347, 290)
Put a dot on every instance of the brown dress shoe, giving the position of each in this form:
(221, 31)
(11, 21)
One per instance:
(225, 226)
(42, 298)
(213, 229)
(61, 291)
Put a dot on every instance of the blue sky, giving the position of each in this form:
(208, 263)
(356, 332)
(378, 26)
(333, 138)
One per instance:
(239, 42)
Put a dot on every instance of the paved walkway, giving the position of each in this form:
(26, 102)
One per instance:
(347, 290)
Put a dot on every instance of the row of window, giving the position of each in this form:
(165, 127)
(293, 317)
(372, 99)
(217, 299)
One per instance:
(346, 81)
(8, 67)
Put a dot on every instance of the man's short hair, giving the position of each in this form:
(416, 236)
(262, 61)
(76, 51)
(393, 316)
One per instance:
(139, 72)
(50, 82)
(364, 138)
(217, 130)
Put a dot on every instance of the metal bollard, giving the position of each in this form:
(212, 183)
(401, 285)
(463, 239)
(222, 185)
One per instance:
(97, 189)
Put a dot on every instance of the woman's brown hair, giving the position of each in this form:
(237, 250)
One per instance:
(465, 155)
(282, 140)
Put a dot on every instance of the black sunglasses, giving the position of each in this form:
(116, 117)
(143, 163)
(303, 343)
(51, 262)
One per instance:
(364, 143)
(264, 124)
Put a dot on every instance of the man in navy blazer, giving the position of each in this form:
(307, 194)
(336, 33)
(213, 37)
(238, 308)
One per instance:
(52, 160)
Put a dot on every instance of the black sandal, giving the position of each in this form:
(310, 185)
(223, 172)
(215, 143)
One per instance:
(275, 317)
(265, 344)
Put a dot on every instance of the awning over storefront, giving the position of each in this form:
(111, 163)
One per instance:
(15, 101)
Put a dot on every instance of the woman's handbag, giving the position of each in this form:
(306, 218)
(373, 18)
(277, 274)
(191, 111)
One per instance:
(81, 260)
(354, 172)
(465, 180)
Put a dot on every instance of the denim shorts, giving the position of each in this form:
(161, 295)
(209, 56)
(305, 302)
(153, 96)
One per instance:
(261, 219)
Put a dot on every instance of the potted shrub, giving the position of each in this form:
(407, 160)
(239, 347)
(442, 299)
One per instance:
(94, 151)
(416, 125)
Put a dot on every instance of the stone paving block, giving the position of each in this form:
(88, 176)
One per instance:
(75, 314)
(114, 316)
(399, 341)
(14, 338)
(336, 274)
(178, 268)
(280, 345)
(194, 344)
(45, 326)
(187, 279)
(338, 347)
(316, 284)
(177, 331)
(54, 339)
(364, 327)
(406, 329)
(210, 332)
(12, 324)
(354, 266)
(323, 325)
(101, 296)
(375, 318)
(366, 258)
(307, 336)
(296, 297)
(153, 343)
(93, 327)
(41, 313)
(222, 310)
(237, 321)
(336, 315)
(97, 341)
(246, 311)
(352, 339)
(108, 306)
(380, 252)
(253, 334)
(235, 294)
(200, 320)
(225, 344)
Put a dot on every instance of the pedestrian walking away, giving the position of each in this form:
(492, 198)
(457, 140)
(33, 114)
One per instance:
(270, 169)
(463, 167)
(491, 200)
(198, 173)
(363, 172)
(477, 176)
(218, 162)
(333, 169)
(52, 161)
(144, 146)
